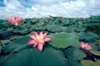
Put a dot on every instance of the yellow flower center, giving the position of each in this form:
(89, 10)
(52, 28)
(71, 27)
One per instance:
(83, 46)
(14, 20)
(39, 39)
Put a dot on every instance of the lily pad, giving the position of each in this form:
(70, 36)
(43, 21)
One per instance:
(21, 30)
(73, 63)
(63, 40)
(18, 44)
(88, 36)
(34, 57)
(96, 52)
(2, 26)
(55, 28)
(90, 63)
(75, 54)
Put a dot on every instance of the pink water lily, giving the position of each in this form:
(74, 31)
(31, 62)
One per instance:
(84, 18)
(15, 20)
(85, 46)
(39, 40)
(62, 17)
(42, 23)
(35, 21)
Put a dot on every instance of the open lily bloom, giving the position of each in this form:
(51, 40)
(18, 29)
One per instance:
(15, 20)
(39, 40)
(42, 23)
(85, 46)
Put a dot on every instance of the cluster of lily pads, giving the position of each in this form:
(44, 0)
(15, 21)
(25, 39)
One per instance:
(51, 41)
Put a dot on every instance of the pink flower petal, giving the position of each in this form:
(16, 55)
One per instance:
(45, 34)
(35, 45)
(41, 34)
(15, 18)
(32, 42)
(86, 45)
(40, 46)
(19, 22)
(82, 44)
(32, 36)
(19, 19)
(42, 42)
(36, 34)
(46, 39)
(10, 20)
(87, 48)
(16, 23)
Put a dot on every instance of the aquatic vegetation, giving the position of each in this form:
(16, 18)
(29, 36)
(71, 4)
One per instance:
(39, 40)
(85, 46)
(53, 41)
(15, 20)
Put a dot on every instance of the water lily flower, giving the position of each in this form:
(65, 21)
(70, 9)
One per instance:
(35, 21)
(15, 20)
(84, 18)
(42, 23)
(85, 46)
(62, 17)
(39, 40)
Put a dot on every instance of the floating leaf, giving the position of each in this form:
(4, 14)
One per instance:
(21, 30)
(73, 63)
(18, 44)
(88, 36)
(33, 57)
(96, 52)
(2, 26)
(90, 63)
(75, 54)
(63, 40)
(55, 28)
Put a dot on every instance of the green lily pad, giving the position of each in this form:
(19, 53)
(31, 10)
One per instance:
(65, 21)
(5, 41)
(18, 44)
(34, 57)
(3, 29)
(55, 28)
(88, 36)
(63, 40)
(96, 52)
(2, 26)
(21, 30)
(75, 54)
(90, 63)
(73, 63)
